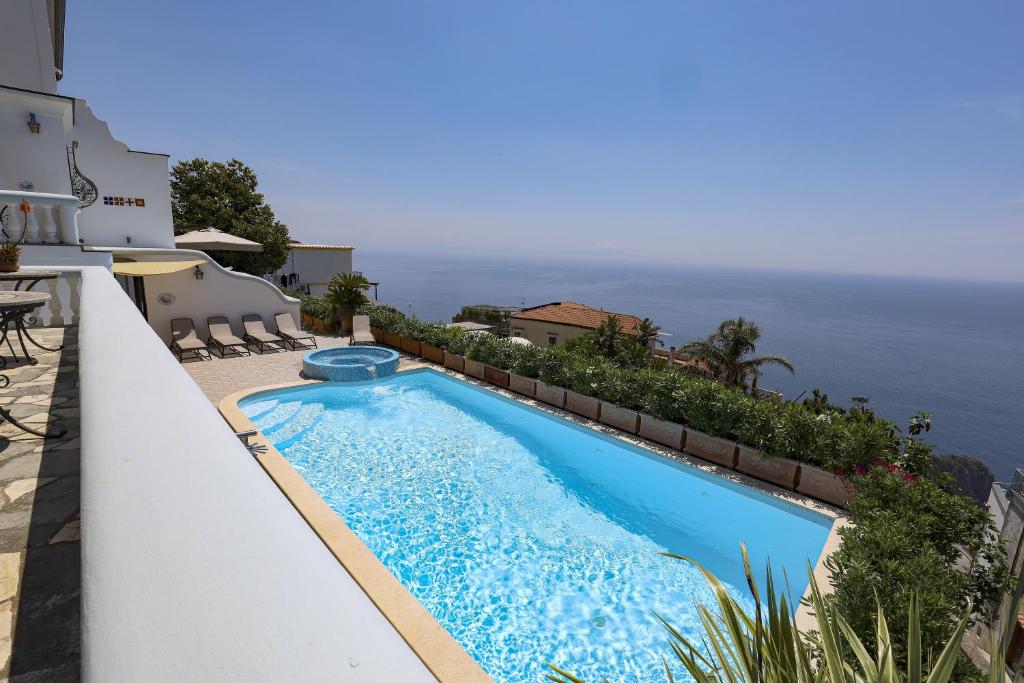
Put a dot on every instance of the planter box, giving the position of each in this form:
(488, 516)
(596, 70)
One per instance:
(551, 395)
(319, 325)
(780, 471)
(305, 320)
(410, 346)
(432, 353)
(710, 448)
(496, 376)
(620, 418)
(522, 385)
(378, 334)
(586, 406)
(454, 362)
(659, 431)
(831, 488)
(474, 368)
(392, 340)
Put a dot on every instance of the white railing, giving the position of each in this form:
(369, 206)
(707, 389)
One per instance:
(193, 561)
(50, 219)
(65, 293)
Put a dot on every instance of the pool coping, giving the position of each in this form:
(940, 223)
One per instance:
(443, 656)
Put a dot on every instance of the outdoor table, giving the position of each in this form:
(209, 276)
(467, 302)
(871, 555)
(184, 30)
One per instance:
(20, 277)
(14, 306)
(31, 276)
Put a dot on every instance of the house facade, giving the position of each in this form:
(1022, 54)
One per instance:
(556, 323)
(310, 267)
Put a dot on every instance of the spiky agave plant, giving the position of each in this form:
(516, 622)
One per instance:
(767, 647)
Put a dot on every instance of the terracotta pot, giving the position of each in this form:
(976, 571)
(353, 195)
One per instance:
(710, 448)
(432, 353)
(522, 385)
(392, 340)
(818, 483)
(779, 471)
(551, 395)
(9, 267)
(659, 431)
(474, 368)
(454, 362)
(585, 406)
(410, 346)
(496, 376)
(620, 418)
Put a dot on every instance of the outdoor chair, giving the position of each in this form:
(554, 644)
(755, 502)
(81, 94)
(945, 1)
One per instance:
(185, 340)
(255, 333)
(222, 339)
(292, 335)
(361, 330)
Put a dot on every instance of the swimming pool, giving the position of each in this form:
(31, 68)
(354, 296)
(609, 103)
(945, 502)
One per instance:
(529, 538)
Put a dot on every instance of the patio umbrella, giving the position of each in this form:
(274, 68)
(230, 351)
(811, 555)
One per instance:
(212, 239)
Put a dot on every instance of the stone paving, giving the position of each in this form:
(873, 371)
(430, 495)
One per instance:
(40, 553)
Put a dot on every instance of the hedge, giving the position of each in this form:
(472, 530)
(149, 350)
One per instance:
(832, 440)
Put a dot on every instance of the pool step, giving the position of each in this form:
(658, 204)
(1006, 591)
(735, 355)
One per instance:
(276, 416)
(287, 433)
(255, 411)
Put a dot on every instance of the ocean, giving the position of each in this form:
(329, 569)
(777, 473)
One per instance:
(952, 348)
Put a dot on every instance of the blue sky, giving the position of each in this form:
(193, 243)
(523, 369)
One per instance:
(873, 137)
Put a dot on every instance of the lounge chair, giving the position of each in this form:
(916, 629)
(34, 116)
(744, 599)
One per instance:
(222, 339)
(361, 330)
(255, 333)
(185, 340)
(292, 335)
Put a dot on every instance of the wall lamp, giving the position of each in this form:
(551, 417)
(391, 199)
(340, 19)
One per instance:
(33, 124)
(198, 272)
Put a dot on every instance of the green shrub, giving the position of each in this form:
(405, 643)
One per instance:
(819, 433)
(316, 306)
(911, 536)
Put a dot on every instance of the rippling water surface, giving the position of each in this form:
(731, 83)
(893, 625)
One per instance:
(530, 540)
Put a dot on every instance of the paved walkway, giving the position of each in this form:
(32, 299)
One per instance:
(40, 554)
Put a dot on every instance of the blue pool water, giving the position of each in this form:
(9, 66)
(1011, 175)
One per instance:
(529, 538)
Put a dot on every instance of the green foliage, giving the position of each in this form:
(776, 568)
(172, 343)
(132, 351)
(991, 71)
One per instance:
(214, 194)
(832, 439)
(727, 354)
(767, 647)
(345, 293)
(911, 539)
(316, 306)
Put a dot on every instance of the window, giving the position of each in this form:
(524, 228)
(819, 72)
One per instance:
(517, 332)
(552, 340)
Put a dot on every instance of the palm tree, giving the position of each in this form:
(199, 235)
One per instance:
(345, 293)
(728, 354)
(606, 336)
(647, 334)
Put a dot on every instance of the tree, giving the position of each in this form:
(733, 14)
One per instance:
(647, 334)
(213, 194)
(345, 293)
(607, 336)
(728, 354)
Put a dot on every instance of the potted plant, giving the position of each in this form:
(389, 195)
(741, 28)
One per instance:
(10, 252)
(9, 255)
(346, 293)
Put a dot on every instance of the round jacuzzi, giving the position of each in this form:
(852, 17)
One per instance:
(350, 363)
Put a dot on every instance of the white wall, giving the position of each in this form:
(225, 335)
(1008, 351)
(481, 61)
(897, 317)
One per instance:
(37, 158)
(26, 53)
(316, 267)
(195, 567)
(220, 292)
(117, 171)
(538, 331)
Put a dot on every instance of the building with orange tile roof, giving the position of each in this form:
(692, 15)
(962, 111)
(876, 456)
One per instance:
(556, 323)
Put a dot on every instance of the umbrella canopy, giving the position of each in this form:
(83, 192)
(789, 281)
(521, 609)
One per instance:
(212, 239)
(522, 341)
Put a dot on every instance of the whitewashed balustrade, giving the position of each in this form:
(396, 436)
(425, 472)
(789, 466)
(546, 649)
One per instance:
(51, 220)
(63, 307)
